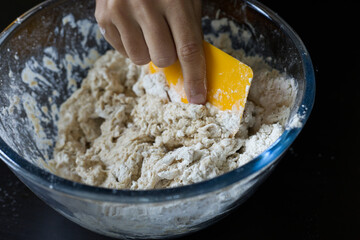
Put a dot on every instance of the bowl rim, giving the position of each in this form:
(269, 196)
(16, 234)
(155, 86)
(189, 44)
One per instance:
(46, 179)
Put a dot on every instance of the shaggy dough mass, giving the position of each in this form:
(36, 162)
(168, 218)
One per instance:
(121, 130)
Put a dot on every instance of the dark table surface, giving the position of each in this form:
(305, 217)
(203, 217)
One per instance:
(314, 192)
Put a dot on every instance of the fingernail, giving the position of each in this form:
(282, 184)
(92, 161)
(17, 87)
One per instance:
(198, 99)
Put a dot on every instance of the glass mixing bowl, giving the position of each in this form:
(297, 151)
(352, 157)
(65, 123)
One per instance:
(45, 54)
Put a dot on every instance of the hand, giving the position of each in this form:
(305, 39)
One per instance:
(161, 31)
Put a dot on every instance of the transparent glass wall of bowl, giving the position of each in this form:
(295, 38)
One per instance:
(44, 58)
(148, 220)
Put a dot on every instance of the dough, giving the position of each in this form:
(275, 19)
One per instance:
(121, 130)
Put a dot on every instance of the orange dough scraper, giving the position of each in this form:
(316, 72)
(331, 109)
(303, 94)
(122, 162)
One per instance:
(228, 79)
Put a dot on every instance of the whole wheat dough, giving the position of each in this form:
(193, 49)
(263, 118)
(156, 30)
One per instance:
(121, 130)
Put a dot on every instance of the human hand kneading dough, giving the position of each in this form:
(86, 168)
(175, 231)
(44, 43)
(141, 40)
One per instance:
(161, 31)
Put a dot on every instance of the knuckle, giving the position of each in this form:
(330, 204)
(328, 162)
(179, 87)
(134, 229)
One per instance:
(99, 17)
(114, 5)
(194, 81)
(99, 11)
(106, 11)
(141, 5)
(141, 9)
(188, 51)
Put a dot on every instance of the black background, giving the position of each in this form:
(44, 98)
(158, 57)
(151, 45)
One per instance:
(314, 192)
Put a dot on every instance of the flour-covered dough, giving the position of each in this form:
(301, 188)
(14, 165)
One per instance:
(121, 130)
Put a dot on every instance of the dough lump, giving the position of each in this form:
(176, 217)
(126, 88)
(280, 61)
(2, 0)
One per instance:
(121, 130)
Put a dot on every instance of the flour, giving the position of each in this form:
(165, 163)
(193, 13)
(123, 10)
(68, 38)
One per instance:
(124, 128)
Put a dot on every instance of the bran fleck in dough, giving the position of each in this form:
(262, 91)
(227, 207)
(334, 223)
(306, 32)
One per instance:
(121, 130)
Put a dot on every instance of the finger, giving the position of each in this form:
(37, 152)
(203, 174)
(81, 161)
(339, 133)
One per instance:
(158, 38)
(112, 35)
(107, 29)
(186, 31)
(198, 10)
(133, 40)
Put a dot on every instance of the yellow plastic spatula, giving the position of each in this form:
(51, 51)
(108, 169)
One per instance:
(228, 79)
